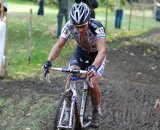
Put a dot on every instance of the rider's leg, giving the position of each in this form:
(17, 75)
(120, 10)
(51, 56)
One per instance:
(95, 93)
(67, 109)
(68, 77)
(68, 81)
(96, 100)
(96, 90)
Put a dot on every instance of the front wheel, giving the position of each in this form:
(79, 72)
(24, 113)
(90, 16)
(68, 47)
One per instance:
(60, 114)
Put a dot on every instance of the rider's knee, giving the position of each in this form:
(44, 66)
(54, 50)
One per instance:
(74, 67)
(95, 81)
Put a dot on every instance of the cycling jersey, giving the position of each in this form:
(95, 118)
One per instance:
(95, 31)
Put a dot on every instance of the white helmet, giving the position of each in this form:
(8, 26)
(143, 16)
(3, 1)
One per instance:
(79, 13)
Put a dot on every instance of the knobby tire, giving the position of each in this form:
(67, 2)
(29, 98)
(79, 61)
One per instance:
(76, 122)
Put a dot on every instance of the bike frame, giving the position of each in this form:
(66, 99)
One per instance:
(83, 99)
(74, 97)
(73, 89)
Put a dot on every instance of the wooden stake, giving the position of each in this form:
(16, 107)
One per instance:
(30, 37)
(1, 9)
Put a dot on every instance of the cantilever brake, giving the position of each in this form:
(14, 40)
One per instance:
(89, 82)
(46, 76)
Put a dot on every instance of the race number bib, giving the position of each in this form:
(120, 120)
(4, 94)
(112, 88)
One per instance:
(100, 33)
(65, 32)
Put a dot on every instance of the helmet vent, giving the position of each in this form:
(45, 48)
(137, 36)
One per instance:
(79, 13)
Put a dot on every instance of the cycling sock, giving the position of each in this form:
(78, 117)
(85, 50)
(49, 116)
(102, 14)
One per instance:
(97, 109)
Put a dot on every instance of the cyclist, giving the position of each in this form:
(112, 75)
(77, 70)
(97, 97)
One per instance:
(90, 51)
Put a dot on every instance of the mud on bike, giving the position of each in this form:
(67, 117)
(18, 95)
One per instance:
(80, 105)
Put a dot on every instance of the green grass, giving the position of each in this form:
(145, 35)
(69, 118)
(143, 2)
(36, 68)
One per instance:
(44, 32)
(18, 38)
(24, 107)
(20, 113)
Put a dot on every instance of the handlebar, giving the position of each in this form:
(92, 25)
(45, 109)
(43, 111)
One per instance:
(72, 71)
(69, 70)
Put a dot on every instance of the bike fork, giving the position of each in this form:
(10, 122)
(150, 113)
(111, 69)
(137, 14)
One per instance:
(73, 102)
(83, 105)
(72, 112)
(62, 112)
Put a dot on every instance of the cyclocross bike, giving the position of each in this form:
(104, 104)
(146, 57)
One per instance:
(80, 105)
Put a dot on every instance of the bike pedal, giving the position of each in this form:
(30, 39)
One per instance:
(88, 118)
(62, 127)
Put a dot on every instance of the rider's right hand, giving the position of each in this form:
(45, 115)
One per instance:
(46, 66)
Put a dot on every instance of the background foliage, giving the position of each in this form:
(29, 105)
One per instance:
(44, 34)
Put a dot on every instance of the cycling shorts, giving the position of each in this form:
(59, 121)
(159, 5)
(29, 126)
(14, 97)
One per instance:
(84, 59)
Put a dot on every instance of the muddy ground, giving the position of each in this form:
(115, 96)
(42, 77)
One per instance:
(130, 85)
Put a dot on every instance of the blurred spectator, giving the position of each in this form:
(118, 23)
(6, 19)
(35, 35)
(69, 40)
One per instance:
(5, 7)
(158, 12)
(119, 16)
(92, 5)
(119, 13)
(63, 6)
(41, 7)
(130, 1)
(158, 4)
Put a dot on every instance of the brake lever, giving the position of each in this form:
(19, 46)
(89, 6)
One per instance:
(89, 82)
(46, 76)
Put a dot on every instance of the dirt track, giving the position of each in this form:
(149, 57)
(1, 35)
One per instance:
(133, 85)
(129, 88)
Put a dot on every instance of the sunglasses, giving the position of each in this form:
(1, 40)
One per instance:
(81, 26)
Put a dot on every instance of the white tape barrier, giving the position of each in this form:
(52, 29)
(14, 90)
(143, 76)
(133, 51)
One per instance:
(2, 43)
